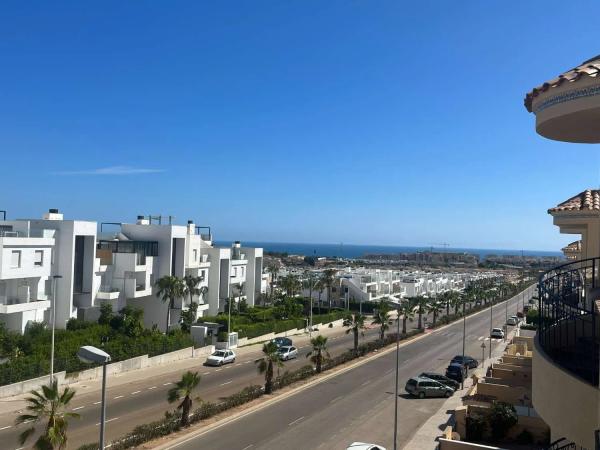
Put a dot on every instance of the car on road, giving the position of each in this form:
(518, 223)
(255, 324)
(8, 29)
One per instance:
(426, 387)
(441, 379)
(456, 371)
(364, 446)
(282, 342)
(220, 357)
(287, 352)
(497, 333)
(512, 321)
(470, 362)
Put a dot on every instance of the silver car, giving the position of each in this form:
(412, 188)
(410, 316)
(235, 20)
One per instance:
(220, 357)
(287, 352)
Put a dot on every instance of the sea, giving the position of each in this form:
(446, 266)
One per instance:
(357, 251)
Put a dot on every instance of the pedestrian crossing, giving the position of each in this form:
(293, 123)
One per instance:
(470, 337)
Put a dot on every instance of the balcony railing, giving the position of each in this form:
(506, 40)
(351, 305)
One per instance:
(567, 318)
(141, 248)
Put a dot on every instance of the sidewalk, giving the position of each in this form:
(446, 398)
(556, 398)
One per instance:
(12, 404)
(426, 437)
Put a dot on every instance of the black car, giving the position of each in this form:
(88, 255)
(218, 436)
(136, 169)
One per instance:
(456, 371)
(471, 363)
(282, 342)
(441, 379)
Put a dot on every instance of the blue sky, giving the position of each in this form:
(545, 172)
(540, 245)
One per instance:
(376, 122)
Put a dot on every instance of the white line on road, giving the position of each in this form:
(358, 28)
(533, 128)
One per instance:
(218, 370)
(166, 384)
(227, 382)
(74, 409)
(205, 373)
(480, 338)
(336, 399)
(366, 382)
(119, 396)
(248, 446)
(4, 428)
(97, 403)
(295, 421)
(150, 388)
(247, 362)
(109, 420)
(135, 392)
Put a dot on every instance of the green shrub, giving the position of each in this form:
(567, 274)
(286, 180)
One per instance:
(502, 418)
(476, 426)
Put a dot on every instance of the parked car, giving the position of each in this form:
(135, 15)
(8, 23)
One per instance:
(282, 342)
(441, 379)
(456, 371)
(220, 357)
(364, 446)
(425, 387)
(497, 333)
(512, 321)
(470, 362)
(287, 352)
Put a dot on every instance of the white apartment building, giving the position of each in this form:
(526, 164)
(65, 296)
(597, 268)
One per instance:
(121, 269)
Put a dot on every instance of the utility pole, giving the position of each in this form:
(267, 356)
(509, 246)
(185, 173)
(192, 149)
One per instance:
(491, 324)
(462, 378)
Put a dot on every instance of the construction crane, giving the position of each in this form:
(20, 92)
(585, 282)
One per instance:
(442, 244)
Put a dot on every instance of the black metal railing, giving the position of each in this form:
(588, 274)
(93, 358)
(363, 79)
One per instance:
(567, 318)
(141, 248)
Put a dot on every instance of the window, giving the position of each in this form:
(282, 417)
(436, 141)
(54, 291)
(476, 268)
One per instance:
(38, 258)
(242, 271)
(15, 259)
(203, 274)
(195, 255)
(234, 272)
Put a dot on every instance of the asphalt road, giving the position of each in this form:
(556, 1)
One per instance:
(146, 400)
(356, 405)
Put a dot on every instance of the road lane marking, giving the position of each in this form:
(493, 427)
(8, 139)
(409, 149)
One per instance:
(247, 362)
(135, 392)
(218, 370)
(336, 399)
(74, 409)
(227, 382)
(248, 446)
(118, 397)
(166, 384)
(97, 403)
(150, 388)
(295, 421)
(4, 428)
(109, 420)
(480, 338)
(205, 373)
(366, 382)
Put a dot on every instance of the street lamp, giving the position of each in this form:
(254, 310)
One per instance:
(55, 279)
(491, 324)
(93, 355)
(397, 307)
(483, 354)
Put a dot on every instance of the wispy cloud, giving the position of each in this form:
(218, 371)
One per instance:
(113, 170)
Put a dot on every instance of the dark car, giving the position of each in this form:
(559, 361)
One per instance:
(456, 371)
(471, 363)
(441, 379)
(282, 342)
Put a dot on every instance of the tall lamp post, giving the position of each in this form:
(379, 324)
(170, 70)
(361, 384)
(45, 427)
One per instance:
(462, 378)
(396, 306)
(491, 324)
(93, 355)
(55, 279)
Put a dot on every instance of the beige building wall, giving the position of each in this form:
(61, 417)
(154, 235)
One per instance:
(570, 406)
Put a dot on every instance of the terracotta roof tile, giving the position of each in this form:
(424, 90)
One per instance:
(590, 68)
(588, 200)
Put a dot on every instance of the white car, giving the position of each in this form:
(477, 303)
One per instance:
(497, 333)
(512, 321)
(364, 446)
(287, 352)
(220, 357)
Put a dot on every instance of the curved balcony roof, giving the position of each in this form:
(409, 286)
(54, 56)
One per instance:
(567, 108)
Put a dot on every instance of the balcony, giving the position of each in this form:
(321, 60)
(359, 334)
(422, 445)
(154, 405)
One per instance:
(11, 306)
(568, 321)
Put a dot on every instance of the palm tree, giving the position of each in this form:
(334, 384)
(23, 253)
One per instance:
(202, 293)
(406, 309)
(290, 284)
(319, 286)
(273, 270)
(265, 364)
(170, 288)
(191, 286)
(48, 405)
(327, 278)
(420, 303)
(434, 306)
(319, 352)
(183, 389)
(356, 325)
(457, 300)
(381, 318)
